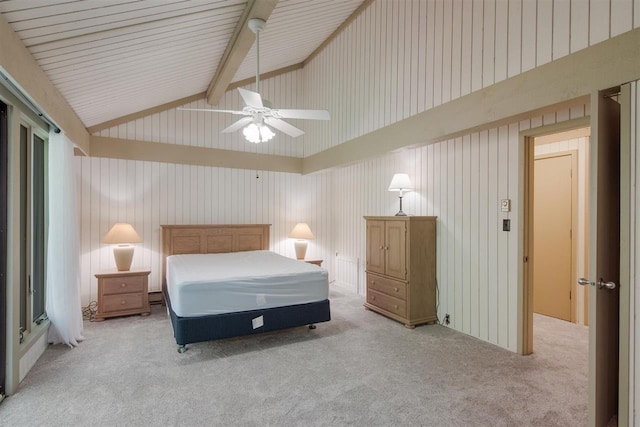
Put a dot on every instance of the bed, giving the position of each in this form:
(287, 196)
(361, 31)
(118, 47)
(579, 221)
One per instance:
(220, 281)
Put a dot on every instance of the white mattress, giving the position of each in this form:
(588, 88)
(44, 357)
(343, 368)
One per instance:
(203, 284)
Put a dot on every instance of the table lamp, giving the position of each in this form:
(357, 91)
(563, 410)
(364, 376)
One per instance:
(122, 235)
(400, 182)
(301, 232)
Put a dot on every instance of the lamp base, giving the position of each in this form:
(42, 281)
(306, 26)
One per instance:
(400, 213)
(301, 248)
(123, 255)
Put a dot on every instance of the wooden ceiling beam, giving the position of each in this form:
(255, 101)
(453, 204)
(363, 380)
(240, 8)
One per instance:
(20, 65)
(238, 47)
(144, 113)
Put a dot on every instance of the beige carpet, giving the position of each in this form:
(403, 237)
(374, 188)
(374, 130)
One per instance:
(359, 369)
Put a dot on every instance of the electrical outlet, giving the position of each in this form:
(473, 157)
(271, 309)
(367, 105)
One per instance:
(446, 319)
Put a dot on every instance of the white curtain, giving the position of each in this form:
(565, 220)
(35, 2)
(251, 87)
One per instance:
(63, 247)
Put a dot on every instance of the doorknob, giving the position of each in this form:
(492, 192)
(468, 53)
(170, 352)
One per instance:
(608, 285)
(585, 282)
(601, 284)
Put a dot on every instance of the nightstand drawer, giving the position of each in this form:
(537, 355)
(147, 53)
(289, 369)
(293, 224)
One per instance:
(385, 302)
(390, 287)
(113, 303)
(122, 285)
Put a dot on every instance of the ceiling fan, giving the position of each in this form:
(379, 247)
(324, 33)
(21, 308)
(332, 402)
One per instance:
(258, 113)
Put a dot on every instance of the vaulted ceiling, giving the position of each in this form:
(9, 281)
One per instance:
(114, 58)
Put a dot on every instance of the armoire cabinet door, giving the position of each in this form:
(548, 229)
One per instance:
(375, 246)
(395, 249)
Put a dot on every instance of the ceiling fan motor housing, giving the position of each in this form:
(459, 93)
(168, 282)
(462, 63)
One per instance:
(256, 24)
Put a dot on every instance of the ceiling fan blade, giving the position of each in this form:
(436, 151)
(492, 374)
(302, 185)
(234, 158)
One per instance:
(252, 99)
(213, 111)
(237, 125)
(301, 114)
(283, 126)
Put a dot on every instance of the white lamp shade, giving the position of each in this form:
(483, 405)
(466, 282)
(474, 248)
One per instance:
(400, 182)
(121, 233)
(301, 231)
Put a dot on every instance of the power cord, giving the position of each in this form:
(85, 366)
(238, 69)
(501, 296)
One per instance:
(89, 311)
(437, 302)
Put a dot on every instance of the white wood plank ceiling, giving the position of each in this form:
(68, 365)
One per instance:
(111, 58)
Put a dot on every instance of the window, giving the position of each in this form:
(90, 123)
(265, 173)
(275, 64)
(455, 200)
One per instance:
(32, 228)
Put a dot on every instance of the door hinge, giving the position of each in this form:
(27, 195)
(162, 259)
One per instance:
(570, 294)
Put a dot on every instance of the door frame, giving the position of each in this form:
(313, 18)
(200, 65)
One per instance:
(628, 168)
(525, 278)
(574, 222)
(4, 206)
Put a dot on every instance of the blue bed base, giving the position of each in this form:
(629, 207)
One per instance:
(188, 330)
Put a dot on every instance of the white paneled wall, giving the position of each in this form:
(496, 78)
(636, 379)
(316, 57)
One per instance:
(400, 58)
(461, 181)
(149, 194)
(202, 129)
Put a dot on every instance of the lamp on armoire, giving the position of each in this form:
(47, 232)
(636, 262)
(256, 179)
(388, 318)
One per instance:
(400, 182)
(122, 235)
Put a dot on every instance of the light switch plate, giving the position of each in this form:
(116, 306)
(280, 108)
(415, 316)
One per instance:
(505, 205)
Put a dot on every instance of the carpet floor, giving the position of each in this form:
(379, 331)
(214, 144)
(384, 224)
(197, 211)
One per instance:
(358, 369)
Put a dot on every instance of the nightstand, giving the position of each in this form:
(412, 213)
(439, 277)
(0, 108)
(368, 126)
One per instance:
(122, 293)
(317, 262)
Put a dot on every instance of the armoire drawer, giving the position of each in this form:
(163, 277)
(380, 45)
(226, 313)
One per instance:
(385, 302)
(387, 286)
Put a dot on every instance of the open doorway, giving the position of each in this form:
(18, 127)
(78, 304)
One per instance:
(560, 225)
(611, 164)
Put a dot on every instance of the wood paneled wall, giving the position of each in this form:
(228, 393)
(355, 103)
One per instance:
(396, 59)
(461, 181)
(400, 58)
(148, 194)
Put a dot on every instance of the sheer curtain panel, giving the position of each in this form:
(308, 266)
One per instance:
(63, 252)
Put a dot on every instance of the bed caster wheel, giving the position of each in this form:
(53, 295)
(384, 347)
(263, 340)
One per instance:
(182, 349)
(312, 326)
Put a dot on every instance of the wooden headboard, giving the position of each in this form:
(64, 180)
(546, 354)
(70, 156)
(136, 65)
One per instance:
(210, 239)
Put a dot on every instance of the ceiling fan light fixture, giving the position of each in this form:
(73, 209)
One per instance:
(257, 133)
(265, 133)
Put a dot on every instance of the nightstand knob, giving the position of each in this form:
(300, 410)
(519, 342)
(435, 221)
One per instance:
(373, 297)
(123, 302)
(396, 307)
(396, 289)
(123, 285)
